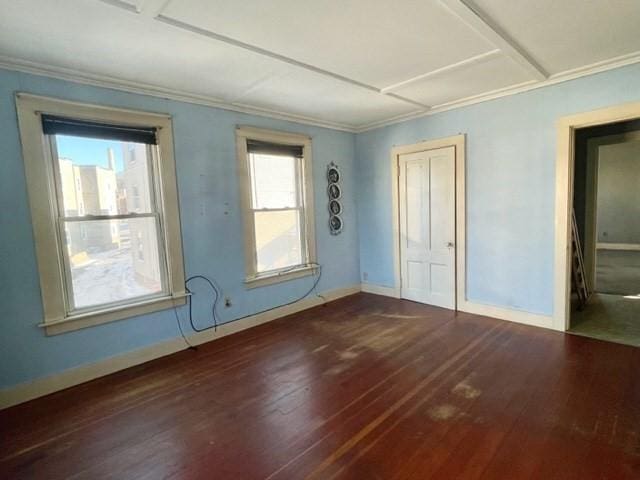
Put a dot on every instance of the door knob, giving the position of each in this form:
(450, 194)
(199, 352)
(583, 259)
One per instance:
(450, 245)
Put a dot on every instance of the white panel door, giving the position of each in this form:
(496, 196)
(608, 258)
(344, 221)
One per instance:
(427, 226)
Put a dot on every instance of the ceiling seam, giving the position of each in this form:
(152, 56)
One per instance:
(152, 8)
(447, 68)
(255, 49)
(261, 51)
(122, 4)
(471, 15)
(282, 58)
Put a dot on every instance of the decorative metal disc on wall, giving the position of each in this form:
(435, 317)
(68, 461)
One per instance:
(334, 192)
(335, 207)
(335, 224)
(333, 174)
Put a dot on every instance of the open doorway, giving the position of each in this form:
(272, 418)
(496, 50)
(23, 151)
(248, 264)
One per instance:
(606, 202)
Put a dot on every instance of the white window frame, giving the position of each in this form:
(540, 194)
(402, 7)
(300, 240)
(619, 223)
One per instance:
(41, 185)
(309, 261)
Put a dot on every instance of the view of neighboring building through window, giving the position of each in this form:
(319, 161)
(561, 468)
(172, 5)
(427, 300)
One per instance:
(276, 186)
(110, 220)
(277, 204)
(104, 203)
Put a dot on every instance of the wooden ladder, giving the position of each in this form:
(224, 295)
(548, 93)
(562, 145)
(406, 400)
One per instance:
(578, 276)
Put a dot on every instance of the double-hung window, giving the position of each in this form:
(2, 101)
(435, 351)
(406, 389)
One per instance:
(103, 198)
(277, 199)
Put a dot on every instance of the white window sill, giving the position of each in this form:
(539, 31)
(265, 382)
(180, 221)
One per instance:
(90, 319)
(278, 277)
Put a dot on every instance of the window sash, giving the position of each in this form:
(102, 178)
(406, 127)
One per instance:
(299, 195)
(305, 207)
(62, 219)
(298, 182)
(68, 279)
(154, 189)
(304, 249)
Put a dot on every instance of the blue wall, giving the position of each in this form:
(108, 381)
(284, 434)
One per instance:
(511, 145)
(510, 201)
(206, 168)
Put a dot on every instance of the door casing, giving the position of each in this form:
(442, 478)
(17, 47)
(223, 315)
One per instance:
(459, 144)
(565, 161)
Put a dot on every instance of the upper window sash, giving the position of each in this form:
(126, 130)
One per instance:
(151, 157)
(297, 180)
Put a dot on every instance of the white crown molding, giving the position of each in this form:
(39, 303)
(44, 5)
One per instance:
(598, 67)
(104, 81)
(114, 83)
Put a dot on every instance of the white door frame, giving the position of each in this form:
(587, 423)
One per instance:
(458, 142)
(566, 127)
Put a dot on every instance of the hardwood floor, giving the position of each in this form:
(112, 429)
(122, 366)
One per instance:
(366, 387)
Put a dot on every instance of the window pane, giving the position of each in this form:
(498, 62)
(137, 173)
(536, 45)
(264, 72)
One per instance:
(103, 177)
(273, 180)
(278, 239)
(113, 260)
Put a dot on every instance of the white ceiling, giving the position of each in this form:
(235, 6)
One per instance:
(349, 64)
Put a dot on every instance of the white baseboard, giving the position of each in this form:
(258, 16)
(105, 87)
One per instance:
(43, 386)
(617, 246)
(84, 373)
(509, 314)
(380, 290)
(501, 313)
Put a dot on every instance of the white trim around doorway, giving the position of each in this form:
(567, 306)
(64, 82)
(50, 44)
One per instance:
(566, 128)
(458, 142)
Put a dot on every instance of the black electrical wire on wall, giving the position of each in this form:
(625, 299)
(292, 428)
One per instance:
(217, 294)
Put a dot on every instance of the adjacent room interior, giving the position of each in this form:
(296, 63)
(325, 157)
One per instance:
(606, 202)
(323, 240)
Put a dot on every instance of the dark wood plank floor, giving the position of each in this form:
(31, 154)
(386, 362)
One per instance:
(366, 387)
